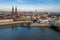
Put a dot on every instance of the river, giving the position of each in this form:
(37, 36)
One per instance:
(29, 33)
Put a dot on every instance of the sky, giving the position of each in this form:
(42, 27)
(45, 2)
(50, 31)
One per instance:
(31, 5)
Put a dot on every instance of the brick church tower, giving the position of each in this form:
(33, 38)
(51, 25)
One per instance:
(16, 11)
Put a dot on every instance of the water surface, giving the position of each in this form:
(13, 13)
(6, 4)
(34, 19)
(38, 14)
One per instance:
(29, 33)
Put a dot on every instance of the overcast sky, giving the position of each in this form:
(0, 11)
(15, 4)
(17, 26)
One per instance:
(27, 5)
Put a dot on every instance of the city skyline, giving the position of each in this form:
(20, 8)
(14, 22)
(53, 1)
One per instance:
(31, 5)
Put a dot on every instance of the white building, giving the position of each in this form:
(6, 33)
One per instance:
(5, 20)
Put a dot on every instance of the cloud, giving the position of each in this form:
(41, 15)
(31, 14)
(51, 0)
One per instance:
(21, 1)
(35, 1)
(32, 5)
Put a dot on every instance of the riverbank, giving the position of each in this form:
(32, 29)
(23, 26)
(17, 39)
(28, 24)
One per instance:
(39, 24)
(23, 23)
